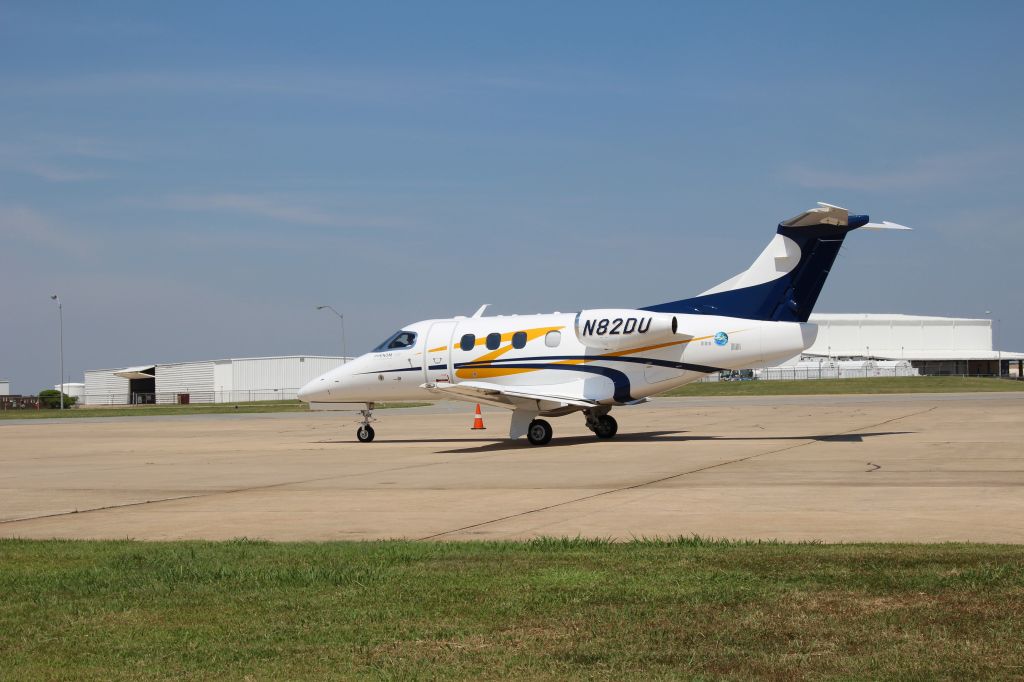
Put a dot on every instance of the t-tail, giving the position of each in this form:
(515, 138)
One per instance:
(784, 282)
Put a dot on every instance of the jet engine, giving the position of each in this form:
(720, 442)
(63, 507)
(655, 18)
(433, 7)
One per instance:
(615, 329)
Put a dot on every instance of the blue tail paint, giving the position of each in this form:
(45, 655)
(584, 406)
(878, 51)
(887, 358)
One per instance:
(791, 296)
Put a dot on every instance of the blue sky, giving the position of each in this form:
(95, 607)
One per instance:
(194, 178)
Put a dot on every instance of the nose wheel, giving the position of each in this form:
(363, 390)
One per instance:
(365, 432)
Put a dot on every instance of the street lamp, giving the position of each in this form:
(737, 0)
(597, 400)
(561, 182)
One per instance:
(60, 317)
(999, 354)
(344, 354)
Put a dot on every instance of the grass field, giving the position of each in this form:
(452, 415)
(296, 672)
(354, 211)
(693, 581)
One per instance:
(547, 609)
(843, 386)
(155, 410)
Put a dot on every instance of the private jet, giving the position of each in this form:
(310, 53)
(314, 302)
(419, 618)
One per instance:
(594, 360)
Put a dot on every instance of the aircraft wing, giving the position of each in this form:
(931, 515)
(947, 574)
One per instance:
(511, 397)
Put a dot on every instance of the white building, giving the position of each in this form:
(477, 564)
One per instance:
(207, 381)
(933, 345)
(71, 389)
(5, 387)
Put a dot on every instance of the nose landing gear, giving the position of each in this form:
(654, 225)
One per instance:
(365, 432)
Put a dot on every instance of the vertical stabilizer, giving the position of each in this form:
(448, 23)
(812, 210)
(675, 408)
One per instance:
(784, 283)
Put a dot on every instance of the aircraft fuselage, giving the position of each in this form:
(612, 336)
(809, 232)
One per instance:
(610, 360)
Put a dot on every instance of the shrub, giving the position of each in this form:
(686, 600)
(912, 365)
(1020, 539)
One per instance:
(50, 398)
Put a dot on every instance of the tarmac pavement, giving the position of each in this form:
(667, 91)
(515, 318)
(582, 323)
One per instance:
(909, 468)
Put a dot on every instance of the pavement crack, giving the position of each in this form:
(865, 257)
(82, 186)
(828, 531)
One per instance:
(662, 479)
(230, 491)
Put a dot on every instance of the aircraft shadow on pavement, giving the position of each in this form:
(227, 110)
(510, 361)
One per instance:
(647, 437)
(497, 444)
(343, 441)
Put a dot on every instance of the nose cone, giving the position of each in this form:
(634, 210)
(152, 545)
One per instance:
(315, 391)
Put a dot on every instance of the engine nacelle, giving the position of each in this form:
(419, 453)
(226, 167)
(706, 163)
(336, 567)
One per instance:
(615, 329)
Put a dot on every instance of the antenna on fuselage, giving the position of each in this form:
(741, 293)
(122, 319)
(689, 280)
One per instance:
(480, 310)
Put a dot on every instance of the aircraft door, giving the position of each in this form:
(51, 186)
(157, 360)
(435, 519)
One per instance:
(437, 354)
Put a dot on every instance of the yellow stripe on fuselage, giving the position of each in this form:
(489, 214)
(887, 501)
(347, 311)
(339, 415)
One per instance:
(491, 372)
(480, 373)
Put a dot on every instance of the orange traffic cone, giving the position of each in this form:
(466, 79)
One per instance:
(478, 420)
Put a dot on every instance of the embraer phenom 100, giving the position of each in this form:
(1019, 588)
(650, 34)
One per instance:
(594, 360)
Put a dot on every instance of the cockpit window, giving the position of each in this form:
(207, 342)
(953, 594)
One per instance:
(397, 341)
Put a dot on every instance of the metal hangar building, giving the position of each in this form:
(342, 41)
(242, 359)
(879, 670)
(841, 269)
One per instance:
(206, 381)
(933, 345)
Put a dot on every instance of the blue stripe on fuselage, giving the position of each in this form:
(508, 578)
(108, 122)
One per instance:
(704, 369)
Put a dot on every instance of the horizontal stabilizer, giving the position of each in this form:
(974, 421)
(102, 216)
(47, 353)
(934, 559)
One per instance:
(885, 225)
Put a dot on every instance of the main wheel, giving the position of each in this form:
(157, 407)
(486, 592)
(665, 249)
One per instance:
(607, 427)
(539, 432)
(365, 433)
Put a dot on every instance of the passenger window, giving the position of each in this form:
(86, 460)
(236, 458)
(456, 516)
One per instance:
(493, 341)
(467, 343)
(552, 339)
(519, 340)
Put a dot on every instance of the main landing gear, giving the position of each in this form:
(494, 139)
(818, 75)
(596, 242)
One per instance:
(539, 432)
(365, 432)
(602, 424)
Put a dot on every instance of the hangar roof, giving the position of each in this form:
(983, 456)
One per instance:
(891, 317)
(914, 354)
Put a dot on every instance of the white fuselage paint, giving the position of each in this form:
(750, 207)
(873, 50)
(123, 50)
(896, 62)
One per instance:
(569, 369)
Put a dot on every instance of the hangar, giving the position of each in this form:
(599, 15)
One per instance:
(932, 345)
(206, 381)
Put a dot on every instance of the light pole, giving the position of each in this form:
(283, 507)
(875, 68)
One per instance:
(60, 318)
(344, 354)
(999, 355)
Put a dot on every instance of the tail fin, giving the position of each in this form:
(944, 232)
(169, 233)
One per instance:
(784, 282)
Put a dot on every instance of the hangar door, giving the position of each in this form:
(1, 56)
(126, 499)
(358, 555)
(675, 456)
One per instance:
(141, 384)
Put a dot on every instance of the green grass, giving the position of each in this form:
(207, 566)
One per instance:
(156, 410)
(548, 609)
(844, 386)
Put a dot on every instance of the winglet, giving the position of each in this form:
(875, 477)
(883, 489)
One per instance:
(480, 310)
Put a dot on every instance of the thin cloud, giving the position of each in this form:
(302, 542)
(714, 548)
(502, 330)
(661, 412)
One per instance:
(26, 224)
(929, 173)
(58, 158)
(355, 86)
(56, 173)
(267, 207)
